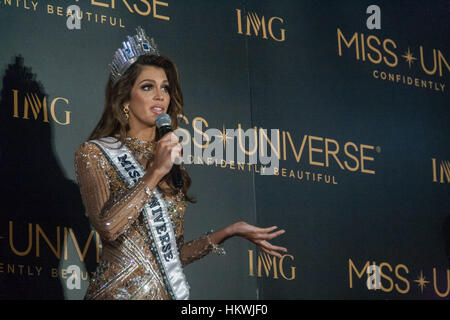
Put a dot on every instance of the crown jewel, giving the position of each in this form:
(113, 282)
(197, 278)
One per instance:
(136, 46)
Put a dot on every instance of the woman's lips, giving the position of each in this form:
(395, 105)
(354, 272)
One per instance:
(157, 109)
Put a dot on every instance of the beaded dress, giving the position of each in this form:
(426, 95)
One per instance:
(128, 268)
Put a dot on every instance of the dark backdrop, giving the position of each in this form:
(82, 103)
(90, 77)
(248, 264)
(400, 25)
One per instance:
(364, 162)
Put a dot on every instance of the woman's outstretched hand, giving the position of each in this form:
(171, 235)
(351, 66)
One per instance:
(260, 237)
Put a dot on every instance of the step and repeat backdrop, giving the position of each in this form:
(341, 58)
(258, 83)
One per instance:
(336, 115)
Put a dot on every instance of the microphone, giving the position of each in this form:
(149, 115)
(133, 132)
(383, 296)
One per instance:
(163, 123)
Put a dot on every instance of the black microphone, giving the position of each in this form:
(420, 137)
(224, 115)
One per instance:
(163, 123)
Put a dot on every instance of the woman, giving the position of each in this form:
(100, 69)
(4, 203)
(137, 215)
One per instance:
(138, 212)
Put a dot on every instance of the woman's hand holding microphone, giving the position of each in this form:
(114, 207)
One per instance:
(167, 149)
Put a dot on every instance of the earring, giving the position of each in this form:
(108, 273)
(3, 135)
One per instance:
(126, 110)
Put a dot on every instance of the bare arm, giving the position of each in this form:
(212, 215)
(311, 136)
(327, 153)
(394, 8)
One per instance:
(258, 236)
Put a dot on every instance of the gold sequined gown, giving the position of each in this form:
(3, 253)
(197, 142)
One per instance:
(128, 268)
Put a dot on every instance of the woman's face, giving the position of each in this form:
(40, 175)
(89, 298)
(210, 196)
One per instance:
(149, 97)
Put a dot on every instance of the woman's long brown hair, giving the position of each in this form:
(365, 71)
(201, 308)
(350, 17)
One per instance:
(113, 121)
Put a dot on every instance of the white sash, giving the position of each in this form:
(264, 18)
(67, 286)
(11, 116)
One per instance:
(156, 214)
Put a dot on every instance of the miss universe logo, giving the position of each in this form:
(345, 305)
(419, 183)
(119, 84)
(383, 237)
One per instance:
(425, 67)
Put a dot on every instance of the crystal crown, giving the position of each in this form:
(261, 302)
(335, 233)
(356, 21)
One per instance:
(136, 46)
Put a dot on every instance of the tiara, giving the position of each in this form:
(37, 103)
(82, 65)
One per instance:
(136, 46)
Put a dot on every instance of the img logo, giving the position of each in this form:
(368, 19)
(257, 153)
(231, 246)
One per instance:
(33, 106)
(273, 266)
(252, 24)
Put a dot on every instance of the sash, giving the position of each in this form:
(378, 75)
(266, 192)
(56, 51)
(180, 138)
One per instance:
(156, 215)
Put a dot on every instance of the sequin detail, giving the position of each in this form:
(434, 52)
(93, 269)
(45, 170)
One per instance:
(128, 268)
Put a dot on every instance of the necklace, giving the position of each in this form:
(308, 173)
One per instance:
(141, 148)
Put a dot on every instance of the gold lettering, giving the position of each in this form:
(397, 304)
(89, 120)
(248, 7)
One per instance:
(433, 162)
(406, 290)
(445, 168)
(239, 20)
(52, 111)
(292, 277)
(363, 48)
(375, 74)
(347, 43)
(200, 132)
(65, 243)
(390, 64)
(101, 4)
(57, 250)
(268, 262)
(351, 156)
(282, 31)
(363, 157)
(242, 144)
(36, 106)
(155, 3)
(30, 240)
(59, 11)
(16, 103)
(334, 153)
(351, 266)
(422, 62)
(261, 133)
(374, 49)
(183, 117)
(311, 150)
(389, 289)
(299, 155)
(440, 294)
(256, 23)
(442, 59)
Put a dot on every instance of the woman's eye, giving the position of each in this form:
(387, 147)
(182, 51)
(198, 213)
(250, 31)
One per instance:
(166, 89)
(147, 87)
